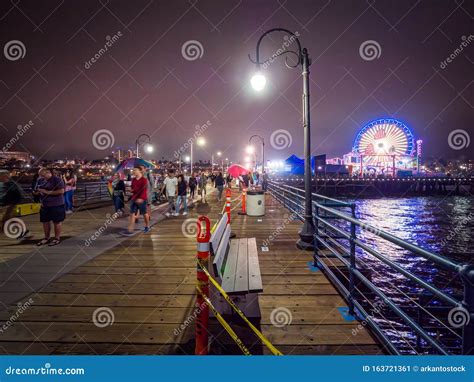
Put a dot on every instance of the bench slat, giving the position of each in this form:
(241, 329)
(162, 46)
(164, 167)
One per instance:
(229, 274)
(242, 269)
(221, 253)
(216, 236)
(255, 278)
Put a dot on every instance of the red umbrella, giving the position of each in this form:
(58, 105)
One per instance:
(236, 170)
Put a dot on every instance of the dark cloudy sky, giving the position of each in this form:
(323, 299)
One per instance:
(144, 83)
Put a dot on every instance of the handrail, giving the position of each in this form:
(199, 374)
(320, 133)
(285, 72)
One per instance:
(347, 253)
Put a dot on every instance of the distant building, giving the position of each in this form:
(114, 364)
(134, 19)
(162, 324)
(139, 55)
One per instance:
(15, 155)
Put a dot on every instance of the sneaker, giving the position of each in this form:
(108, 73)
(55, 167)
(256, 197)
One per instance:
(176, 214)
(185, 213)
(69, 212)
(167, 214)
(147, 229)
(127, 233)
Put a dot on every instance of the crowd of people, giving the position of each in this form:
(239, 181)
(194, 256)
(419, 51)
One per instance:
(133, 193)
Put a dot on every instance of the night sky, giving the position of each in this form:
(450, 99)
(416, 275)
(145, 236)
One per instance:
(145, 83)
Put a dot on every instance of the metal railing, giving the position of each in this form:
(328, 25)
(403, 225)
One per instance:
(85, 192)
(401, 320)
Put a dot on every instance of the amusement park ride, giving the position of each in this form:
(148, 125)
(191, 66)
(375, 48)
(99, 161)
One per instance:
(384, 146)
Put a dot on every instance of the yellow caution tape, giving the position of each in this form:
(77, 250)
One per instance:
(224, 323)
(257, 332)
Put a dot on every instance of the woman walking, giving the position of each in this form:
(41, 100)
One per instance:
(70, 186)
(182, 196)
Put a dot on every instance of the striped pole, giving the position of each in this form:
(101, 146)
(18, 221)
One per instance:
(202, 309)
(228, 194)
(244, 202)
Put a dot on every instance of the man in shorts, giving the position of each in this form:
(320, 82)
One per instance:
(138, 202)
(170, 185)
(51, 191)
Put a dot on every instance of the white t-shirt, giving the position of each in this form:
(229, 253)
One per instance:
(171, 185)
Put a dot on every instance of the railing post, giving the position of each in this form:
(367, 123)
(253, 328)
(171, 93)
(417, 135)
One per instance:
(467, 275)
(352, 265)
(316, 235)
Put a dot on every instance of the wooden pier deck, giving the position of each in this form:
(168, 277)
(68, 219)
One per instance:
(147, 284)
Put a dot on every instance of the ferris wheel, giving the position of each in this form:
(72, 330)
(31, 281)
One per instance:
(384, 139)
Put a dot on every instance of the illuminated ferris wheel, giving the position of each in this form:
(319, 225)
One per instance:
(382, 140)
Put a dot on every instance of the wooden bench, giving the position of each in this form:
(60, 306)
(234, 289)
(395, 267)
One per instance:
(235, 265)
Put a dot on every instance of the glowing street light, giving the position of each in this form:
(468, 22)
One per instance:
(250, 149)
(149, 148)
(258, 81)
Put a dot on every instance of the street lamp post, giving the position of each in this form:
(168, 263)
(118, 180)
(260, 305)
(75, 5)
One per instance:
(143, 139)
(263, 150)
(306, 232)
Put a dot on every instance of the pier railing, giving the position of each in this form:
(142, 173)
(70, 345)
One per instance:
(86, 192)
(371, 269)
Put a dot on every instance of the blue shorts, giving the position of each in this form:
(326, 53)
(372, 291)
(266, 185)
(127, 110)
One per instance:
(134, 207)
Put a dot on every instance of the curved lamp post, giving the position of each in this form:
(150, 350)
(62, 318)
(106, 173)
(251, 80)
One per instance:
(258, 82)
(263, 150)
(143, 139)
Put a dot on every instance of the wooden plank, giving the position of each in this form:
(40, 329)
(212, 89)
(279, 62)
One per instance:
(228, 277)
(241, 284)
(220, 257)
(216, 236)
(255, 278)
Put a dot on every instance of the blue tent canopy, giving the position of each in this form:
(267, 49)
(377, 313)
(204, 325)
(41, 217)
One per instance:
(296, 165)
